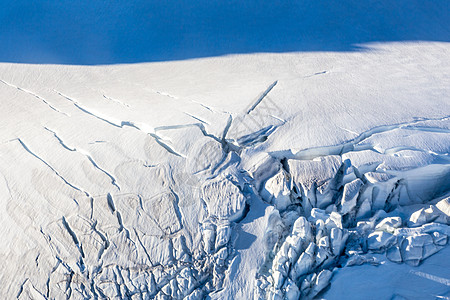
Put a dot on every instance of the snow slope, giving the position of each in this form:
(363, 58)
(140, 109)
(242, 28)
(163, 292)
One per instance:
(259, 175)
(170, 178)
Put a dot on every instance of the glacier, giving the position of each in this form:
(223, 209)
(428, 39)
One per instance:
(310, 173)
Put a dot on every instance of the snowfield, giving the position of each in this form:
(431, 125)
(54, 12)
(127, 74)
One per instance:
(265, 176)
(319, 171)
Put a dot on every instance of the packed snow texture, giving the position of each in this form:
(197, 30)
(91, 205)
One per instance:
(263, 176)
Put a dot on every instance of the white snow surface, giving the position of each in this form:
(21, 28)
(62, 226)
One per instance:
(265, 176)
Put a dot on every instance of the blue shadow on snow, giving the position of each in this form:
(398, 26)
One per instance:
(110, 32)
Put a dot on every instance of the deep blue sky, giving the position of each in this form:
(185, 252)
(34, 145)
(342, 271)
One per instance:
(107, 32)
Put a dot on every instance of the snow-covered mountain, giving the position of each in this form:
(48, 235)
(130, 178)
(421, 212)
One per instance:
(319, 169)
